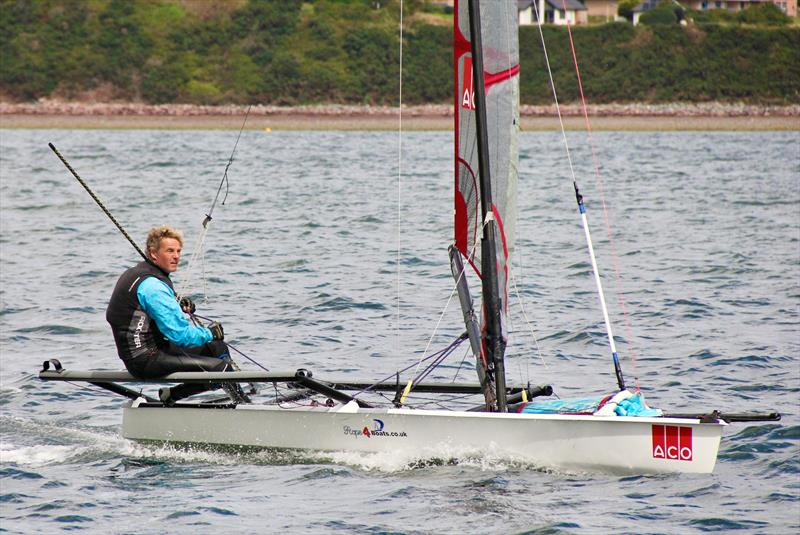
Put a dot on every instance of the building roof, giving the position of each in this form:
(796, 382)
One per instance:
(572, 5)
(646, 5)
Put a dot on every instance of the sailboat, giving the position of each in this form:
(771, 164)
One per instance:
(618, 433)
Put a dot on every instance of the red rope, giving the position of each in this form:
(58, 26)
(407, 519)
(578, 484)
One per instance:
(601, 189)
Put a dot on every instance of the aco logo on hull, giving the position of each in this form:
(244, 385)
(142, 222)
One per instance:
(672, 442)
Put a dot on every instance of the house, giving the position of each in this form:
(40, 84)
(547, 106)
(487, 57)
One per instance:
(558, 12)
(602, 9)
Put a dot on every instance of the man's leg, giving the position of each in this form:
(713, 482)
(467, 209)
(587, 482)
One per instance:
(166, 362)
(219, 349)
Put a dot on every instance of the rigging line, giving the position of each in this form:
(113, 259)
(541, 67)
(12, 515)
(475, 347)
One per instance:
(441, 355)
(198, 252)
(441, 358)
(394, 374)
(601, 188)
(528, 321)
(399, 180)
(98, 201)
(437, 357)
(225, 174)
(598, 283)
(555, 94)
(467, 351)
(246, 356)
(410, 384)
(193, 316)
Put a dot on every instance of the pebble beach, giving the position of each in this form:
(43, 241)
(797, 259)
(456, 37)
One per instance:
(630, 117)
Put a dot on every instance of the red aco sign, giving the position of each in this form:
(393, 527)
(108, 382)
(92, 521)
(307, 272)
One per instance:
(672, 442)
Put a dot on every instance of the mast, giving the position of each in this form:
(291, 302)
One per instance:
(493, 340)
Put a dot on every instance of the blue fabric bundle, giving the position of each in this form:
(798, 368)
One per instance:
(635, 406)
(623, 403)
(564, 406)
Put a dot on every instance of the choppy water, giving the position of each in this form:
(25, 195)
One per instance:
(301, 269)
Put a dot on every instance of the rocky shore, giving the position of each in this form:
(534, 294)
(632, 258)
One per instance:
(695, 116)
(709, 109)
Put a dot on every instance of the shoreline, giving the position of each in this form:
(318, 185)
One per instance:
(371, 123)
(609, 117)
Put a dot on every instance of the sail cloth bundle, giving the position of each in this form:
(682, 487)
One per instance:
(624, 403)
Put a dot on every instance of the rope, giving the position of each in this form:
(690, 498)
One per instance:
(97, 200)
(198, 251)
(399, 179)
(394, 374)
(561, 121)
(411, 382)
(555, 94)
(528, 321)
(430, 340)
(194, 319)
(600, 186)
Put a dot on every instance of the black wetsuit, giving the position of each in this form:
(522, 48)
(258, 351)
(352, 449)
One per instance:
(143, 348)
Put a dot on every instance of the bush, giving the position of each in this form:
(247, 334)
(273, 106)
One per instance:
(764, 15)
(164, 80)
(625, 8)
(712, 16)
(428, 65)
(198, 92)
(659, 15)
(372, 61)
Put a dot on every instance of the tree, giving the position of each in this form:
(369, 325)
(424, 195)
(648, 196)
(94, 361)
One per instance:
(767, 14)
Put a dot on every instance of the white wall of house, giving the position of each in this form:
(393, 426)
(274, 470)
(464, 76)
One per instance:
(526, 17)
(560, 18)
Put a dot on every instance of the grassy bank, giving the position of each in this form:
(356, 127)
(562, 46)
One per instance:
(291, 52)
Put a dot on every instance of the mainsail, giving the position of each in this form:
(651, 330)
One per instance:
(500, 58)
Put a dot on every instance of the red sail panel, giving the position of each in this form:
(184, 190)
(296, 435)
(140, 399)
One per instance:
(501, 78)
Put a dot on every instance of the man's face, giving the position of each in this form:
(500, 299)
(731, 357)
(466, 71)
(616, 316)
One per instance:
(168, 254)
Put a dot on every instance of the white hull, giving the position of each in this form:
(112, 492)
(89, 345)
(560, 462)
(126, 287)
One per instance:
(622, 445)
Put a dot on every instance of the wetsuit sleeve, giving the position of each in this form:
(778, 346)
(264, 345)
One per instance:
(158, 302)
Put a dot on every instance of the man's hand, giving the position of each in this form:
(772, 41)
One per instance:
(216, 331)
(187, 305)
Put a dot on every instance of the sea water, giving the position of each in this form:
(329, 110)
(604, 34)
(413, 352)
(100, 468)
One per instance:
(330, 253)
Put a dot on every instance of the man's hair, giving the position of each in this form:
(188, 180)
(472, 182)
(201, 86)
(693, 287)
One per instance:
(157, 234)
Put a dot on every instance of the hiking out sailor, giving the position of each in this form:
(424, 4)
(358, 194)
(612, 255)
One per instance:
(153, 336)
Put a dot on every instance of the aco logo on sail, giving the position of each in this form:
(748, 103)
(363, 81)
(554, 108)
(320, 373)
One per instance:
(468, 95)
(672, 442)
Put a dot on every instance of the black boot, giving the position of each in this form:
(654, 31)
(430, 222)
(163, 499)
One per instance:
(170, 395)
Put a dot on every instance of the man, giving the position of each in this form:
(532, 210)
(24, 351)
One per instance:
(152, 334)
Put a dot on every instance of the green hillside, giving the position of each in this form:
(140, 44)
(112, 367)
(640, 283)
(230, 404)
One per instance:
(339, 51)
